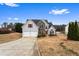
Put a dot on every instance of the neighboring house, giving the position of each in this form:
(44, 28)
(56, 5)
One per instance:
(9, 27)
(66, 29)
(4, 31)
(51, 30)
(36, 27)
(0, 26)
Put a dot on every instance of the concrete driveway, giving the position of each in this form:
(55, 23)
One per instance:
(21, 47)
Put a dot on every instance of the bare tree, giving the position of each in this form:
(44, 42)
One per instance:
(4, 25)
(11, 26)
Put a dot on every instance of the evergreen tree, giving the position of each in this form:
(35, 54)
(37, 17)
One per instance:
(76, 31)
(73, 31)
(18, 27)
(69, 31)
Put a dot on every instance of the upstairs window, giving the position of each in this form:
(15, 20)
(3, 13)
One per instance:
(29, 25)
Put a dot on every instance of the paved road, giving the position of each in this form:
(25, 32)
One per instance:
(21, 47)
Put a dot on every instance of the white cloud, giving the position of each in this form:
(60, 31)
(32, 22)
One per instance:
(16, 18)
(10, 4)
(59, 12)
(9, 18)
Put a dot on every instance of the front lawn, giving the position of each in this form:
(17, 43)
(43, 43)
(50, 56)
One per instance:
(9, 37)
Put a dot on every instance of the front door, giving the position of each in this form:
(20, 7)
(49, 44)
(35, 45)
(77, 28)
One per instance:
(51, 32)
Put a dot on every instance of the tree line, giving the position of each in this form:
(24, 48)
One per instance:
(11, 27)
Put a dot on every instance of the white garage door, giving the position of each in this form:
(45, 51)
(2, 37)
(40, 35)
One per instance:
(30, 34)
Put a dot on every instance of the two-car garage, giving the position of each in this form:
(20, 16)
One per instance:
(30, 34)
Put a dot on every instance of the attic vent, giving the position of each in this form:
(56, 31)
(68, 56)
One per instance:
(30, 25)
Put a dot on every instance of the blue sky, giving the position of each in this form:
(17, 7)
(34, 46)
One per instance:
(57, 13)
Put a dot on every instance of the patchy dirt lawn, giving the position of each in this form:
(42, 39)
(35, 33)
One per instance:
(9, 37)
(58, 46)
